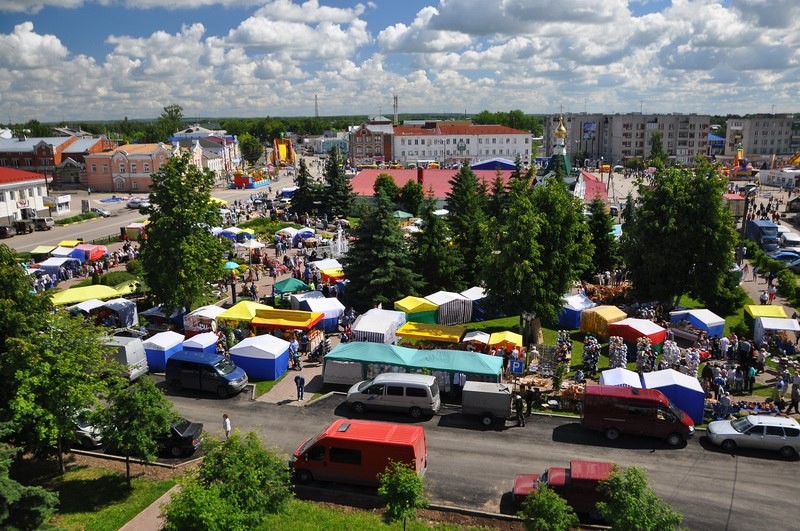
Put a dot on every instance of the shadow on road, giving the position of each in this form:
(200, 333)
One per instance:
(574, 433)
(471, 422)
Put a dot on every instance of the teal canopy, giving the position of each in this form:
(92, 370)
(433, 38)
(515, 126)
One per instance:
(434, 360)
(290, 285)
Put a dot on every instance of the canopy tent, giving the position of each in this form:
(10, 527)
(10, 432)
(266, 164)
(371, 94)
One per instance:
(597, 320)
(331, 309)
(42, 250)
(87, 307)
(91, 252)
(713, 324)
(290, 285)
(84, 293)
(327, 263)
(417, 309)
(68, 252)
(619, 377)
(204, 342)
(242, 311)
(160, 348)
(286, 319)
(476, 337)
(252, 244)
(683, 390)
(477, 295)
(506, 339)
(375, 358)
(135, 231)
(631, 329)
(454, 308)
(774, 324)
(574, 305)
(288, 231)
(126, 314)
(378, 326)
(128, 287)
(296, 299)
(69, 243)
(51, 266)
(332, 274)
(399, 214)
(203, 319)
(262, 357)
(754, 311)
(303, 234)
(157, 316)
(431, 332)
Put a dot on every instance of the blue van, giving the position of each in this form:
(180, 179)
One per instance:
(203, 371)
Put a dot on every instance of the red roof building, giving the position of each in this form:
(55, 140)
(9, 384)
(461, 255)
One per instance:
(436, 180)
(20, 189)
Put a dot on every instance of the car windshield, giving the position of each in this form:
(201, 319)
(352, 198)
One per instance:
(181, 426)
(435, 390)
(364, 385)
(225, 366)
(741, 425)
(675, 411)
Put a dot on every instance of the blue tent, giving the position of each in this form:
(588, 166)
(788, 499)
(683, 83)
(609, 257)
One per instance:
(570, 316)
(494, 164)
(160, 348)
(205, 342)
(706, 320)
(262, 357)
(684, 391)
(330, 307)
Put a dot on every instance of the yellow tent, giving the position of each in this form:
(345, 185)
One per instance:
(596, 320)
(69, 243)
(218, 201)
(42, 249)
(76, 295)
(754, 311)
(417, 309)
(286, 319)
(334, 273)
(510, 338)
(128, 287)
(431, 332)
(242, 311)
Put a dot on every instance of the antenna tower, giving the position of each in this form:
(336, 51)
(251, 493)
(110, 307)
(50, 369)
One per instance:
(394, 106)
(316, 106)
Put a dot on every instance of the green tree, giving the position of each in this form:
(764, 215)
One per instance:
(497, 201)
(338, 192)
(167, 124)
(180, 255)
(632, 504)
(540, 247)
(137, 414)
(308, 191)
(378, 262)
(544, 510)
(252, 149)
(385, 182)
(238, 483)
(432, 248)
(658, 157)
(466, 204)
(604, 244)
(22, 507)
(411, 196)
(403, 491)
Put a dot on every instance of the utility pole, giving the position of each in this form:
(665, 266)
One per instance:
(316, 107)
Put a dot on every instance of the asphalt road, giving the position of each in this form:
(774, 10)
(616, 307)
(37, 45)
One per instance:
(470, 466)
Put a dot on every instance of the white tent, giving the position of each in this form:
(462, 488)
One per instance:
(765, 324)
(327, 263)
(476, 337)
(202, 319)
(87, 306)
(330, 307)
(378, 326)
(620, 377)
(474, 293)
(288, 231)
(205, 342)
(296, 299)
(683, 390)
(454, 308)
(263, 357)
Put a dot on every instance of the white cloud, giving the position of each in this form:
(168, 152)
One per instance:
(26, 50)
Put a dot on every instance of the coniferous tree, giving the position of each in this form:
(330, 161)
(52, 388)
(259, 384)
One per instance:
(308, 191)
(466, 205)
(599, 222)
(411, 196)
(498, 198)
(338, 192)
(385, 182)
(432, 247)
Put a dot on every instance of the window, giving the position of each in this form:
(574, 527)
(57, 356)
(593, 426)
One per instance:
(375, 390)
(792, 432)
(105, 168)
(345, 455)
(146, 168)
(394, 390)
(2, 196)
(94, 168)
(11, 195)
(756, 431)
(122, 168)
(416, 392)
(316, 453)
(133, 168)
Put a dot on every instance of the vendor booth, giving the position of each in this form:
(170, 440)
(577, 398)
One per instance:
(378, 326)
(574, 305)
(288, 232)
(331, 309)
(262, 357)
(242, 311)
(51, 266)
(135, 231)
(286, 319)
(204, 342)
(620, 377)
(597, 320)
(477, 339)
(69, 243)
(330, 269)
(296, 299)
(684, 391)
(507, 340)
(160, 348)
(159, 319)
(92, 253)
(124, 313)
(477, 296)
(765, 325)
(431, 332)
(417, 309)
(689, 324)
(69, 252)
(288, 286)
(87, 308)
(203, 319)
(454, 308)
(631, 329)
(754, 311)
(83, 293)
(303, 234)
(42, 251)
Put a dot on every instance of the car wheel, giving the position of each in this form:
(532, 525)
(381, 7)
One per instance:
(358, 407)
(175, 385)
(223, 392)
(304, 476)
(787, 452)
(728, 445)
(175, 451)
(674, 439)
(415, 412)
(487, 419)
(612, 434)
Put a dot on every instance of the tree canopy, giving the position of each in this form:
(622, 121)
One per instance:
(432, 247)
(604, 244)
(338, 192)
(308, 191)
(466, 205)
(252, 149)
(544, 510)
(632, 504)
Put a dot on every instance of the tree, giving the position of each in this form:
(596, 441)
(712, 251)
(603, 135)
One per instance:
(411, 196)
(632, 504)
(338, 192)
(251, 148)
(307, 194)
(544, 510)
(539, 248)
(403, 490)
(238, 483)
(180, 256)
(466, 204)
(385, 182)
(604, 244)
(658, 157)
(168, 123)
(22, 507)
(378, 262)
(432, 248)
(136, 416)
(498, 198)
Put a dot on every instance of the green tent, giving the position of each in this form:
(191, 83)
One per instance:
(402, 215)
(417, 309)
(290, 285)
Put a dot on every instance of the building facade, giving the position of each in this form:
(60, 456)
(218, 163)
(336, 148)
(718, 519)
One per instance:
(371, 142)
(21, 189)
(127, 169)
(763, 136)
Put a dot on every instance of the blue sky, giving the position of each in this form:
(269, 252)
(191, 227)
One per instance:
(107, 59)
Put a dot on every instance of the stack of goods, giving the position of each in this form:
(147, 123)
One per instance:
(617, 352)
(572, 396)
(591, 356)
(645, 357)
(670, 354)
(692, 361)
(564, 344)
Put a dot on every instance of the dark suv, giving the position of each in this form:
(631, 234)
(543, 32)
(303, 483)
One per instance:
(7, 231)
(183, 439)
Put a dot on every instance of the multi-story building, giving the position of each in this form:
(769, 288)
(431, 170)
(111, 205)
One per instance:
(207, 153)
(20, 189)
(371, 142)
(612, 138)
(763, 136)
(127, 169)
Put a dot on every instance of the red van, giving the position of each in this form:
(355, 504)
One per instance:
(615, 410)
(356, 451)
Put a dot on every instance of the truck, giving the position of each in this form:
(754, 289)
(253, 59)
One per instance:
(576, 484)
(129, 351)
(24, 226)
(735, 203)
(35, 221)
(489, 401)
(764, 233)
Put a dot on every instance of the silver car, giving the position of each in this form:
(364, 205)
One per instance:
(86, 434)
(764, 432)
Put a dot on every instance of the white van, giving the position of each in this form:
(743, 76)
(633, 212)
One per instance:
(130, 352)
(789, 239)
(414, 393)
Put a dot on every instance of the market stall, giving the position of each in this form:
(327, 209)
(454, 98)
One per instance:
(69, 243)
(477, 295)
(160, 320)
(92, 253)
(774, 325)
(69, 252)
(296, 299)
(454, 308)
(83, 293)
(754, 311)
(242, 311)
(331, 309)
(160, 348)
(683, 390)
(286, 319)
(689, 324)
(124, 313)
(431, 332)
(135, 231)
(378, 326)
(619, 377)
(417, 309)
(283, 289)
(477, 339)
(203, 319)
(203, 342)
(42, 251)
(87, 308)
(303, 234)
(574, 305)
(506, 339)
(631, 329)
(262, 357)
(52, 266)
(597, 320)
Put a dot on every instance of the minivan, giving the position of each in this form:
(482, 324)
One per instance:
(130, 353)
(357, 451)
(205, 371)
(413, 393)
(615, 410)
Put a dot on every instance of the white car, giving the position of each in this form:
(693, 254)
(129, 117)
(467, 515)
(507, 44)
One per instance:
(763, 432)
(101, 211)
(87, 435)
(134, 202)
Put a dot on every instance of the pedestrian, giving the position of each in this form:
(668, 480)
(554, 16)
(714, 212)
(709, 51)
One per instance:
(763, 298)
(795, 400)
(300, 382)
(531, 396)
(755, 273)
(772, 291)
(459, 379)
(226, 424)
(519, 408)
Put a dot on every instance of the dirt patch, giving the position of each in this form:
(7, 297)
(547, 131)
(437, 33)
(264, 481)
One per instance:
(39, 470)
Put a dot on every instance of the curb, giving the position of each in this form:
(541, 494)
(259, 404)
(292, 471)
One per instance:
(133, 460)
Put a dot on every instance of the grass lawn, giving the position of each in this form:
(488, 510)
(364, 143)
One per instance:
(265, 386)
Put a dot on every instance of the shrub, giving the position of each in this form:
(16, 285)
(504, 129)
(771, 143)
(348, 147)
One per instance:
(544, 510)
(787, 284)
(134, 267)
(403, 490)
(116, 277)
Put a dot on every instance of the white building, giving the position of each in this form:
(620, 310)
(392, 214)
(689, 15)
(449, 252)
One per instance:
(763, 136)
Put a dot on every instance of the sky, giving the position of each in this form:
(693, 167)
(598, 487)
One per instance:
(80, 60)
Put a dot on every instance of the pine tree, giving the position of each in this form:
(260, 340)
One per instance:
(432, 248)
(308, 191)
(466, 204)
(338, 192)
(604, 257)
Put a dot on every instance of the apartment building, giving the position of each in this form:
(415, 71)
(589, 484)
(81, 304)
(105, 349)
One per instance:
(763, 136)
(127, 169)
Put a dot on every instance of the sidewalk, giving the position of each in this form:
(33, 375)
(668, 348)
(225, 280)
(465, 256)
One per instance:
(150, 518)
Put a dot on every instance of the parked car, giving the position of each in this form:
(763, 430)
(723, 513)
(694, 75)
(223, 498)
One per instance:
(7, 231)
(416, 394)
(576, 484)
(100, 212)
(785, 256)
(183, 439)
(764, 432)
(86, 434)
(134, 202)
(144, 203)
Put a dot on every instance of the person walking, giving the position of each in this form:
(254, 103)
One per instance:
(519, 408)
(795, 400)
(226, 425)
(300, 382)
